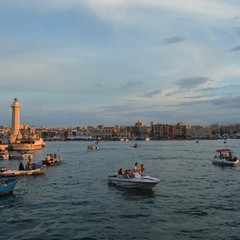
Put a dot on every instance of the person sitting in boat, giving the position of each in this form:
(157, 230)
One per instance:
(21, 167)
(131, 174)
(128, 173)
(48, 158)
(30, 157)
(120, 172)
(230, 156)
(234, 159)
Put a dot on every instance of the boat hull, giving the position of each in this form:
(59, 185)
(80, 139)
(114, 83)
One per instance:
(16, 173)
(36, 145)
(7, 186)
(141, 183)
(224, 162)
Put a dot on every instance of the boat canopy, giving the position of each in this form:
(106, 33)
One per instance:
(224, 150)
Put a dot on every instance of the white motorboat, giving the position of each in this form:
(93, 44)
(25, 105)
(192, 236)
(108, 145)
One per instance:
(224, 157)
(93, 147)
(133, 181)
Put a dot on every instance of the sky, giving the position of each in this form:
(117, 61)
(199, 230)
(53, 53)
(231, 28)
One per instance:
(115, 62)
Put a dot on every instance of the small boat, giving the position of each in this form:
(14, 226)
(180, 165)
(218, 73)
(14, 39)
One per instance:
(224, 157)
(52, 159)
(7, 186)
(133, 181)
(93, 147)
(37, 170)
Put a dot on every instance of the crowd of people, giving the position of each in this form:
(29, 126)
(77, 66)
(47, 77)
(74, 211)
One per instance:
(50, 158)
(136, 172)
(229, 157)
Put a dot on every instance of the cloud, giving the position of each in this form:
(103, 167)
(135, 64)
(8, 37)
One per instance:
(86, 51)
(193, 82)
(99, 85)
(236, 48)
(172, 40)
(133, 83)
(227, 102)
(152, 94)
(237, 30)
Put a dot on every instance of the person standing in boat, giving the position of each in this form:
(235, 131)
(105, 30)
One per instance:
(135, 169)
(29, 164)
(120, 172)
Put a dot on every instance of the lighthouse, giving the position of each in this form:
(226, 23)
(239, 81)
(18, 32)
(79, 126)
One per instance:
(15, 120)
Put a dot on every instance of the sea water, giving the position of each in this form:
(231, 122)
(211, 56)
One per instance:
(194, 200)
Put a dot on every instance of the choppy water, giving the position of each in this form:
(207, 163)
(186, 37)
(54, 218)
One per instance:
(194, 200)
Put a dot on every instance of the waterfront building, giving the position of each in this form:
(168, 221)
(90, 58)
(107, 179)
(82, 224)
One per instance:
(141, 131)
(111, 133)
(167, 131)
(200, 132)
(79, 133)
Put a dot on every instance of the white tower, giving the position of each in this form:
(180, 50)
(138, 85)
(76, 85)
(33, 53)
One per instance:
(15, 120)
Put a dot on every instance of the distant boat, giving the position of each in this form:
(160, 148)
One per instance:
(136, 145)
(52, 160)
(28, 145)
(7, 186)
(92, 147)
(224, 158)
